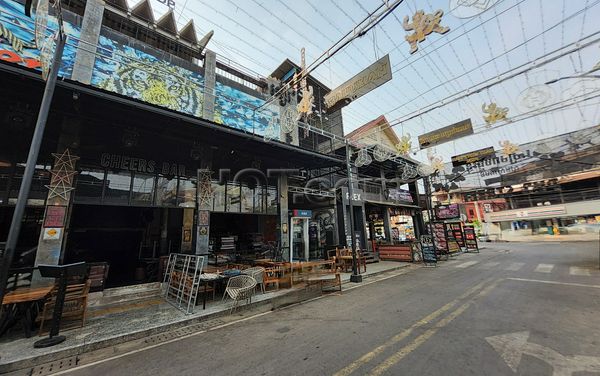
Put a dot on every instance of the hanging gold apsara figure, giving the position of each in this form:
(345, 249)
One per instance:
(494, 113)
(423, 25)
(508, 148)
(404, 145)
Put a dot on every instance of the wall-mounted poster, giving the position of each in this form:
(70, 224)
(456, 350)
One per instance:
(447, 211)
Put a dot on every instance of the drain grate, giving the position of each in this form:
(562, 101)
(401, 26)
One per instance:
(55, 366)
(180, 332)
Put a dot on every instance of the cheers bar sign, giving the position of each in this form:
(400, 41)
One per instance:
(147, 166)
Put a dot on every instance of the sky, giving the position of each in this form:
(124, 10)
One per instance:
(489, 40)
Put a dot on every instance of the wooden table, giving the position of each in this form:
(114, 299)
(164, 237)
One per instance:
(19, 304)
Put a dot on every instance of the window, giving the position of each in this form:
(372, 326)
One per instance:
(143, 189)
(271, 200)
(218, 196)
(89, 186)
(186, 195)
(233, 198)
(166, 191)
(118, 185)
(260, 199)
(247, 198)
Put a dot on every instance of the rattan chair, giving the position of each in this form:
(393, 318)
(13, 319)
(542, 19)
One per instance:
(240, 288)
(257, 273)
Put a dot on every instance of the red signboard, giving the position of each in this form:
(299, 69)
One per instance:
(55, 216)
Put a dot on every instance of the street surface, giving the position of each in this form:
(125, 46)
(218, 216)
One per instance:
(513, 309)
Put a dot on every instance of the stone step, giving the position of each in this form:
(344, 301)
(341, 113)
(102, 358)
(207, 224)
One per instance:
(122, 295)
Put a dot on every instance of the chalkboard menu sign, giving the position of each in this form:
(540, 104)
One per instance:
(470, 238)
(428, 250)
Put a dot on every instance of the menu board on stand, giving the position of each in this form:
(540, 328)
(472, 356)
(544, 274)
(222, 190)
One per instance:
(440, 239)
(457, 233)
(453, 243)
(428, 250)
(470, 238)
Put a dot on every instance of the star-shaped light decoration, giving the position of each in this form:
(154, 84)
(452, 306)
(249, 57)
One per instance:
(65, 160)
(508, 147)
(404, 145)
(59, 190)
(61, 182)
(205, 191)
(494, 113)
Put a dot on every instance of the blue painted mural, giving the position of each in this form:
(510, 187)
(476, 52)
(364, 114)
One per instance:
(17, 43)
(136, 73)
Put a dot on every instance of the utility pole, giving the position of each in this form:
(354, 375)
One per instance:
(34, 150)
(355, 277)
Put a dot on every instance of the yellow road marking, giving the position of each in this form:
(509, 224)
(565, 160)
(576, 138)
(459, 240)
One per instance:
(395, 358)
(405, 333)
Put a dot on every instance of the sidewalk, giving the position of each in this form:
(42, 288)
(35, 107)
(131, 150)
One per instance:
(117, 325)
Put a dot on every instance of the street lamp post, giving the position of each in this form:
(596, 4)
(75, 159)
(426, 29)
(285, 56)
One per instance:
(34, 150)
(355, 277)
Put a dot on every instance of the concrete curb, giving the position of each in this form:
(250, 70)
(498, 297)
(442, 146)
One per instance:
(292, 297)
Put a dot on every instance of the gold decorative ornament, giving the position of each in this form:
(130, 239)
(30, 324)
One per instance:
(494, 113)
(435, 161)
(404, 146)
(305, 105)
(423, 24)
(508, 148)
(63, 172)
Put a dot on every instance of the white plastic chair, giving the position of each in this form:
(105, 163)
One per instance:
(240, 288)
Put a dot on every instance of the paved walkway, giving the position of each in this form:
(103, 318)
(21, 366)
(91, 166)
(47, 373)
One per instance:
(129, 321)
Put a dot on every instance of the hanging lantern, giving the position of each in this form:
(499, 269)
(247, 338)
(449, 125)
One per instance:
(381, 153)
(363, 158)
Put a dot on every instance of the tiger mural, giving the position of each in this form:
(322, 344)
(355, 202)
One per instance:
(155, 82)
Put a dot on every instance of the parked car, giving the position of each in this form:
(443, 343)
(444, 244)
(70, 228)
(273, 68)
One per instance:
(581, 228)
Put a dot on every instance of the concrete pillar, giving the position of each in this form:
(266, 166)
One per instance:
(85, 56)
(210, 78)
(284, 226)
(55, 226)
(164, 231)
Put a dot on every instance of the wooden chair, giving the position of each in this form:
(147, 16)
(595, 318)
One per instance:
(273, 276)
(75, 306)
(97, 274)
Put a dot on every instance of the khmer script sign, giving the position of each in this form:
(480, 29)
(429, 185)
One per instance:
(372, 77)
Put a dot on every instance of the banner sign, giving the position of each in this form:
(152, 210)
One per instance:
(372, 77)
(399, 195)
(449, 133)
(447, 211)
(473, 156)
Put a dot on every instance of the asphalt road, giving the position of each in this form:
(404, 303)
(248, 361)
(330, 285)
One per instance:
(525, 309)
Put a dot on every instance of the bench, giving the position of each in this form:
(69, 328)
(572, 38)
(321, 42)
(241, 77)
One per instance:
(395, 252)
(325, 278)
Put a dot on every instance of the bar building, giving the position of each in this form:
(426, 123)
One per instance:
(177, 151)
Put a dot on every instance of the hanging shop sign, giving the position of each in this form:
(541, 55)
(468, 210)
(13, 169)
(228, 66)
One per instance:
(473, 156)
(428, 249)
(357, 196)
(470, 238)
(372, 77)
(302, 213)
(148, 166)
(449, 133)
(399, 195)
(447, 211)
